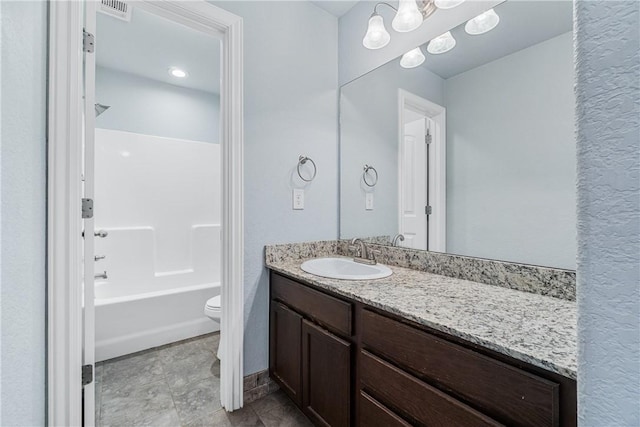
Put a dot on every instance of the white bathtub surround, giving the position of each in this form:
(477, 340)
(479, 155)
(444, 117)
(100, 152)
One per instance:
(158, 200)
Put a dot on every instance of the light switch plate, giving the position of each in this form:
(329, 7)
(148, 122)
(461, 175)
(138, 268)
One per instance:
(368, 201)
(298, 198)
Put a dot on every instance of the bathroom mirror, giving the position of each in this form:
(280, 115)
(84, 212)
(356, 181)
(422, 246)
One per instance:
(472, 152)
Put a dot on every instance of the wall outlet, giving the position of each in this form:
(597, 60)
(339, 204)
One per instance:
(368, 201)
(298, 198)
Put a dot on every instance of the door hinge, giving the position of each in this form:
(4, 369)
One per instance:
(427, 138)
(427, 210)
(87, 374)
(87, 208)
(88, 41)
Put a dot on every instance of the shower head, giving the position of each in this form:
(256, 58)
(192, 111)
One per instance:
(100, 108)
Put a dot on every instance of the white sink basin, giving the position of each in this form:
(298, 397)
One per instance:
(345, 268)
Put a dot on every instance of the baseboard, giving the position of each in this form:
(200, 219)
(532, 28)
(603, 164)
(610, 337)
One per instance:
(258, 385)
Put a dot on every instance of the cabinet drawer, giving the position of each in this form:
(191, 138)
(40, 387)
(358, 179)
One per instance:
(331, 312)
(415, 399)
(505, 392)
(375, 414)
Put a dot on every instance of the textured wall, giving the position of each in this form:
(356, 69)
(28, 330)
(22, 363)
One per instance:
(290, 108)
(151, 107)
(511, 174)
(23, 136)
(608, 135)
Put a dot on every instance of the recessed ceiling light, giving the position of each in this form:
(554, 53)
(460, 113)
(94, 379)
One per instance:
(482, 23)
(177, 72)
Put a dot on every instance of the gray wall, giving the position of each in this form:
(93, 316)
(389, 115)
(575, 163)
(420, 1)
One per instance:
(151, 107)
(369, 135)
(23, 141)
(290, 93)
(608, 138)
(511, 157)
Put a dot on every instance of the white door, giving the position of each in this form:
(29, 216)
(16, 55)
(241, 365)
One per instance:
(414, 188)
(88, 344)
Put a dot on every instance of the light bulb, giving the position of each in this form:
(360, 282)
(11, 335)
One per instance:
(412, 59)
(482, 23)
(376, 36)
(408, 17)
(441, 44)
(448, 4)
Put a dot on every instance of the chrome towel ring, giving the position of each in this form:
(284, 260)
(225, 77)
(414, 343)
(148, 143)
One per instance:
(366, 173)
(303, 160)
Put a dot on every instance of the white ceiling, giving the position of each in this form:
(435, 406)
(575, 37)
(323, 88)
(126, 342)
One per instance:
(523, 23)
(335, 7)
(149, 45)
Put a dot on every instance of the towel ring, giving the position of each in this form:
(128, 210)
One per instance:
(303, 160)
(368, 168)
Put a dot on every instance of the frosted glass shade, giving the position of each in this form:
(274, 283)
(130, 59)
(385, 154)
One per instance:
(482, 23)
(376, 36)
(412, 59)
(408, 17)
(448, 4)
(441, 44)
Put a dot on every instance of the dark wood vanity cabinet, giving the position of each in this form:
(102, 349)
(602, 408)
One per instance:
(308, 358)
(345, 363)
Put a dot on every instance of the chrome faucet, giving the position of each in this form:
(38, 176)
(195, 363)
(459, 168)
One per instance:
(364, 255)
(397, 237)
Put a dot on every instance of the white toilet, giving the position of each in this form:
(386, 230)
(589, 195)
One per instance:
(213, 311)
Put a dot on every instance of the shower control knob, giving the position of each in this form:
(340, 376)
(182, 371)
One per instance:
(102, 275)
(100, 233)
(99, 257)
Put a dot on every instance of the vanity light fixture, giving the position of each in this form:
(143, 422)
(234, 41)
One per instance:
(177, 72)
(448, 4)
(441, 44)
(377, 36)
(409, 16)
(482, 23)
(412, 59)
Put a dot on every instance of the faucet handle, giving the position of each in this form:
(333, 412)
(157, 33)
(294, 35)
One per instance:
(374, 252)
(354, 249)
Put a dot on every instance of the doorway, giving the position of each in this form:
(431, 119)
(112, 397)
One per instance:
(74, 209)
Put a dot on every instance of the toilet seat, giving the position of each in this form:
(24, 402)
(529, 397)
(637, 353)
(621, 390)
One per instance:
(214, 303)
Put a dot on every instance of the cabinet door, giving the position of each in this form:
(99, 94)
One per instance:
(284, 351)
(326, 377)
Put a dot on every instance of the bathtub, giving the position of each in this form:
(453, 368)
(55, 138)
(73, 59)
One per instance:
(138, 307)
(158, 199)
(128, 324)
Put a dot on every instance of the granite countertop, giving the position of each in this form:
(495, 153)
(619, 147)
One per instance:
(536, 329)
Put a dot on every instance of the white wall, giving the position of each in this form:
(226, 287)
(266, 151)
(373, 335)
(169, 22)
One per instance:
(23, 139)
(152, 107)
(511, 157)
(369, 135)
(290, 93)
(608, 138)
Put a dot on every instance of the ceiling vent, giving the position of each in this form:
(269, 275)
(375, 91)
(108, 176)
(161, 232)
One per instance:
(116, 8)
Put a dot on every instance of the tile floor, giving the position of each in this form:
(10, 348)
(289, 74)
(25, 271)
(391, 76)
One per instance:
(179, 385)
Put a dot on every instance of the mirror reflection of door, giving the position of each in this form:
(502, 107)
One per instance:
(414, 184)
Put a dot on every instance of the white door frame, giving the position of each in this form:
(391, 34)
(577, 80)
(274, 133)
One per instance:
(64, 222)
(437, 165)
